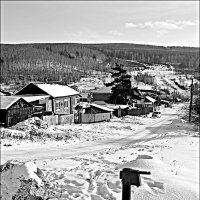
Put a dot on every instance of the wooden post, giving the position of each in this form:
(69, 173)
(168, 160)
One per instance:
(126, 192)
(130, 177)
(119, 112)
(191, 97)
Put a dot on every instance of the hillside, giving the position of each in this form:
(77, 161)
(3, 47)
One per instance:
(69, 61)
(181, 57)
(47, 62)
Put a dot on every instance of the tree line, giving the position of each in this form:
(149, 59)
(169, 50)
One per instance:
(69, 61)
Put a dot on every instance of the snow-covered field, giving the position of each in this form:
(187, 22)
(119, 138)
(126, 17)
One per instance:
(87, 166)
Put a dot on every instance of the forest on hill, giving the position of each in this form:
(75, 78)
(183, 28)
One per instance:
(69, 61)
(47, 62)
(181, 57)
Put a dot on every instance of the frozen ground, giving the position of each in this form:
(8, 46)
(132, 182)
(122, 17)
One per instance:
(87, 168)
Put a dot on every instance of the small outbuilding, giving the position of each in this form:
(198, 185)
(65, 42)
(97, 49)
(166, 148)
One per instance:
(13, 110)
(150, 103)
(90, 112)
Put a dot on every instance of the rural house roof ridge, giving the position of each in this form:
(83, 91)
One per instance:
(54, 90)
(150, 99)
(7, 101)
(102, 107)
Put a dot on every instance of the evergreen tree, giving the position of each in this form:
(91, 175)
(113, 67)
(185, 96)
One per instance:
(122, 92)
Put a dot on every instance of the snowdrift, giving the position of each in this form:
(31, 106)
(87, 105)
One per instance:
(22, 181)
(163, 183)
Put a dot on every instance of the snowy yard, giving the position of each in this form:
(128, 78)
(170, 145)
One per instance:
(87, 165)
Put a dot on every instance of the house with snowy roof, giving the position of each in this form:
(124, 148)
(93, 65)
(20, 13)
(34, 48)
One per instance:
(57, 99)
(147, 101)
(14, 109)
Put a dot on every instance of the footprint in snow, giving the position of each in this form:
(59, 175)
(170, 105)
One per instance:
(153, 186)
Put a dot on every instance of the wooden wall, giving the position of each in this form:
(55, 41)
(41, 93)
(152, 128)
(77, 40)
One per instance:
(17, 115)
(64, 105)
(101, 96)
(140, 111)
(18, 112)
(90, 118)
(58, 119)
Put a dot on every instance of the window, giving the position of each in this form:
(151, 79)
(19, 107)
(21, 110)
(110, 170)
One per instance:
(58, 105)
(73, 101)
(66, 103)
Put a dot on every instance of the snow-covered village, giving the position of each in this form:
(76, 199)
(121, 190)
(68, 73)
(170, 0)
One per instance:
(100, 120)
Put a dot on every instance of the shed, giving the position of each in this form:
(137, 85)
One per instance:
(90, 112)
(13, 110)
(150, 102)
(91, 108)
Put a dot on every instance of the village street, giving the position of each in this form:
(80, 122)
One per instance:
(168, 147)
(147, 131)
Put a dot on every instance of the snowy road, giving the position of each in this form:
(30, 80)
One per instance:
(145, 133)
(166, 146)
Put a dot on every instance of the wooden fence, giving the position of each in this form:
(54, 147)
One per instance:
(140, 111)
(59, 119)
(89, 118)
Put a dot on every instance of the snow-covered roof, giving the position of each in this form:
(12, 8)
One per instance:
(99, 102)
(7, 101)
(144, 87)
(102, 107)
(112, 106)
(150, 99)
(85, 105)
(34, 98)
(56, 90)
(103, 90)
(164, 101)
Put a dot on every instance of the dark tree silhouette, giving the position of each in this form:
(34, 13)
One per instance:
(122, 92)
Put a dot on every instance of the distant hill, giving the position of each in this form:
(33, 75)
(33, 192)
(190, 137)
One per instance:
(68, 61)
(184, 57)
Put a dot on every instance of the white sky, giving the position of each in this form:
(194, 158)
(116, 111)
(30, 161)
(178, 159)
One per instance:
(144, 22)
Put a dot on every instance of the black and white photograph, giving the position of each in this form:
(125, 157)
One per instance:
(99, 100)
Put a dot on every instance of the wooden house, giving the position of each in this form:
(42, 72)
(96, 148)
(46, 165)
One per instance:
(90, 112)
(13, 110)
(150, 102)
(60, 99)
(39, 104)
(36, 100)
(102, 94)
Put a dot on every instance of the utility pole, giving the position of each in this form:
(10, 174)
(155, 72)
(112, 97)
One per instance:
(191, 96)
